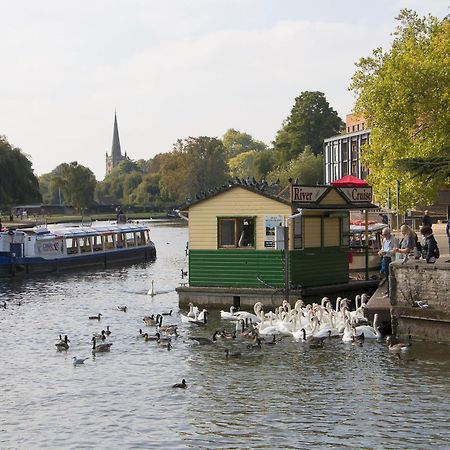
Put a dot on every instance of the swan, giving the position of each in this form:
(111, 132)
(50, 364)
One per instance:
(193, 310)
(348, 333)
(78, 361)
(202, 315)
(224, 315)
(181, 385)
(100, 348)
(151, 291)
(370, 332)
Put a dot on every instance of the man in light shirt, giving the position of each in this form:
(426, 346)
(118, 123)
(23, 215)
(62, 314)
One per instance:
(387, 252)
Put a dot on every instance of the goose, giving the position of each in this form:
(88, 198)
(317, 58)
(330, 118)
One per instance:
(256, 346)
(226, 335)
(78, 361)
(4, 305)
(397, 348)
(167, 313)
(100, 348)
(181, 385)
(122, 308)
(141, 334)
(162, 338)
(272, 342)
(96, 317)
(101, 335)
(165, 328)
(151, 320)
(167, 345)
(184, 273)
(62, 344)
(358, 339)
(204, 340)
(299, 335)
(225, 315)
(232, 354)
(150, 338)
(108, 331)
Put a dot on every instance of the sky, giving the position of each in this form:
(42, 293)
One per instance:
(175, 68)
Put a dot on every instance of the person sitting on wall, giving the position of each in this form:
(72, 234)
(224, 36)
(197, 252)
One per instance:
(430, 247)
(388, 244)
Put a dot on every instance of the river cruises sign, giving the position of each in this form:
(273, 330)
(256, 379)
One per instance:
(358, 194)
(307, 194)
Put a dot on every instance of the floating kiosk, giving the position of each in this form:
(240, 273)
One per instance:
(253, 242)
(41, 250)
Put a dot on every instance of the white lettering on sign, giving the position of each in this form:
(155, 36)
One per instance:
(358, 195)
(306, 194)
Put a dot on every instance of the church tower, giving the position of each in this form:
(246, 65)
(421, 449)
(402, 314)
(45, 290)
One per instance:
(116, 151)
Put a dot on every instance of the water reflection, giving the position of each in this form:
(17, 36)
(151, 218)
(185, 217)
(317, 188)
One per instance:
(285, 396)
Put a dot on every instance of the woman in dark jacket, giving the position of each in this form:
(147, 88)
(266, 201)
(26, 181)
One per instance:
(430, 248)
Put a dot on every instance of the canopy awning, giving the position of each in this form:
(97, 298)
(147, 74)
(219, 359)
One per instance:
(349, 181)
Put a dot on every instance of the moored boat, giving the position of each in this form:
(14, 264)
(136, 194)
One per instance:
(357, 257)
(66, 247)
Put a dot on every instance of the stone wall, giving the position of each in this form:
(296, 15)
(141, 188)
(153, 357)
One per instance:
(416, 283)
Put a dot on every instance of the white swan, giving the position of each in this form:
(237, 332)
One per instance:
(225, 315)
(370, 332)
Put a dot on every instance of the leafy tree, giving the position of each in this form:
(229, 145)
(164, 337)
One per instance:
(404, 95)
(236, 142)
(310, 122)
(264, 162)
(77, 184)
(18, 184)
(306, 169)
(242, 165)
(195, 165)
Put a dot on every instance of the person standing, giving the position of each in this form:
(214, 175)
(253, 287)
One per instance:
(430, 248)
(426, 219)
(388, 244)
(407, 244)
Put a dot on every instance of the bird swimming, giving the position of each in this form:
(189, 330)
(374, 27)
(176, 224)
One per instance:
(181, 385)
(62, 344)
(98, 317)
(101, 347)
(122, 308)
(78, 361)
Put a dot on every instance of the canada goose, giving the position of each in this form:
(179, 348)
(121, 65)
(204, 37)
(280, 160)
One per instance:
(226, 335)
(4, 305)
(151, 320)
(62, 344)
(203, 340)
(397, 348)
(358, 339)
(232, 354)
(122, 308)
(166, 344)
(108, 331)
(167, 313)
(184, 273)
(100, 348)
(272, 342)
(78, 361)
(181, 385)
(96, 317)
(101, 335)
(256, 346)
(162, 327)
(147, 338)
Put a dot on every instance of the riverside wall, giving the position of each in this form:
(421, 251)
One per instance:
(418, 283)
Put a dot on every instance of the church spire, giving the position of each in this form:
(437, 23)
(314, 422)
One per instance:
(116, 151)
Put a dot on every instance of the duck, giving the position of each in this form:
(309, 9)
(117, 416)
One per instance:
(397, 348)
(98, 317)
(78, 361)
(229, 354)
(122, 308)
(62, 344)
(181, 385)
(100, 348)
(108, 331)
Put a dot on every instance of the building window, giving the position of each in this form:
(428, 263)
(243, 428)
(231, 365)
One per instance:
(298, 233)
(236, 232)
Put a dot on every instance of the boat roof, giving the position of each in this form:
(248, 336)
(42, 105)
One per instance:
(80, 231)
(359, 228)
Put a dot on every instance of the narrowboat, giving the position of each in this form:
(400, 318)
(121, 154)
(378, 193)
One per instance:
(357, 256)
(67, 247)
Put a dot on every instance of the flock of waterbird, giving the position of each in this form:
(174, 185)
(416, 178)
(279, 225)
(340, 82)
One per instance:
(311, 324)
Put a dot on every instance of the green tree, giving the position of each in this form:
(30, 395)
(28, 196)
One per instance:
(195, 165)
(18, 184)
(236, 142)
(404, 95)
(310, 122)
(243, 164)
(306, 169)
(77, 184)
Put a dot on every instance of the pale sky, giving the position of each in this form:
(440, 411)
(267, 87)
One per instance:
(174, 68)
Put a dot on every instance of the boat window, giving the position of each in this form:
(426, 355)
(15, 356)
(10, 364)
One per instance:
(130, 239)
(238, 232)
(85, 244)
(72, 246)
(97, 243)
(147, 236)
(140, 238)
(109, 241)
(120, 243)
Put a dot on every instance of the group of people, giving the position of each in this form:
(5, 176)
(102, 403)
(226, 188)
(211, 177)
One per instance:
(408, 245)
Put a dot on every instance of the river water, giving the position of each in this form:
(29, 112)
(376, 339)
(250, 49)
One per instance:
(284, 397)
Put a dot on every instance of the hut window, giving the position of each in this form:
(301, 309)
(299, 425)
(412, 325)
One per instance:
(237, 232)
(345, 231)
(298, 233)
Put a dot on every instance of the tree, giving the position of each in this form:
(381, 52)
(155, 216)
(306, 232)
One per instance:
(77, 184)
(306, 169)
(18, 184)
(311, 121)
(242, 165)
(195, 165)
(236, 142)
(404, 95)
